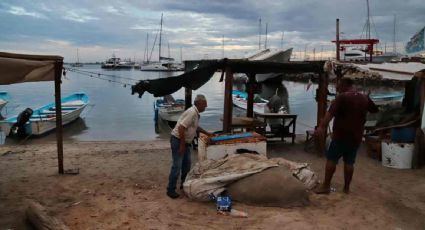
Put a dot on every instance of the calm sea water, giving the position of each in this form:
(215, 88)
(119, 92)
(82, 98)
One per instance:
(115, 114)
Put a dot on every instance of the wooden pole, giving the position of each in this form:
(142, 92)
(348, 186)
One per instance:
(187, 92)
(337, 40)
(228, 104)
(59, 137)
(322, 93)
(187, 98)
(250, 106)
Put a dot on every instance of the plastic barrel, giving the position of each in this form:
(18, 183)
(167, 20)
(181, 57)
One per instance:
(397, 155)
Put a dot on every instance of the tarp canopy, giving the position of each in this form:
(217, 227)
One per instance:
(201, 74)
(18, 68)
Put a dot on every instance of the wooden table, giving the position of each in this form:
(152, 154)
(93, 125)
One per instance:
(286, 126)
(247, 124)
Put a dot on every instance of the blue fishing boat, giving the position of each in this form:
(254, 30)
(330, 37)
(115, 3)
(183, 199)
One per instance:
(42, 120)
(4, 97)
(383, 98)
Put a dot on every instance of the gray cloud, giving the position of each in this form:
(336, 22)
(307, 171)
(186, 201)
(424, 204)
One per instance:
(197, 27)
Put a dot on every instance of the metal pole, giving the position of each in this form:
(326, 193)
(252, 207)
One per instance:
(160, 40)
(337, 41)
(228, 104)
(59, 137)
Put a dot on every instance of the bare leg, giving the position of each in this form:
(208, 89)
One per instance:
(348, 175)
(329, 172)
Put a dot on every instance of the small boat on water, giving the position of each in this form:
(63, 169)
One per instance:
(164, 64)
(42, 120)
(168, 110)
(116, 63)
(383, 98)
(4, 97)
(240, 99)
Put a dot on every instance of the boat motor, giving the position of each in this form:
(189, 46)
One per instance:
(18, 129)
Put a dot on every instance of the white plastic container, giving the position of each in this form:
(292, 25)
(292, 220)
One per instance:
(397, 155)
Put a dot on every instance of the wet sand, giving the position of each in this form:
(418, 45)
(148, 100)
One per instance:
(121, 185)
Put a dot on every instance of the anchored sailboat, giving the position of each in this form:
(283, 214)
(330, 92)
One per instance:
(165, 64)
(78, 63)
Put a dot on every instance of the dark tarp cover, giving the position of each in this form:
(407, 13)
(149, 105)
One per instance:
(199, 75)
(161, 87)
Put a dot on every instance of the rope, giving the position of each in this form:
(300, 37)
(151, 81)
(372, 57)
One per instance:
(98, 76)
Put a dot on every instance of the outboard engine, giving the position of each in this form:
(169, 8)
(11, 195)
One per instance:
(18, 129)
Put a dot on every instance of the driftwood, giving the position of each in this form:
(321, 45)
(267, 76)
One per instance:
(37, 215)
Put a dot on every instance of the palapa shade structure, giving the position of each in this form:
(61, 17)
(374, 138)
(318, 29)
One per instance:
(19, 68)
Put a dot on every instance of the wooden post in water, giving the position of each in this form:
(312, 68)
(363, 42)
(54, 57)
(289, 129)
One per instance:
(337, 41)
(250, 102)
(187, 98)
(228, 104)
(187, 92)
(322, 92)
(58, 105)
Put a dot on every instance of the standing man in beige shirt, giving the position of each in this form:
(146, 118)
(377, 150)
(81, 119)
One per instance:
(181, 138)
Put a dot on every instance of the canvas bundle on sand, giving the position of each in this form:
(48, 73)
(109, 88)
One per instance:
(213, 176)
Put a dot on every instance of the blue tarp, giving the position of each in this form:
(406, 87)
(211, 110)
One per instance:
(232, 137)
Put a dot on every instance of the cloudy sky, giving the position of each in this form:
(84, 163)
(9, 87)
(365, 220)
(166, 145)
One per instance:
(99, 28)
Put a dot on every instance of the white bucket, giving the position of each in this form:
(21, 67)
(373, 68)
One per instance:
(397, 155)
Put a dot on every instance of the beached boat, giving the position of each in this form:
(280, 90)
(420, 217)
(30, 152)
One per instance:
(4, 97)
(43, 119)
(168, 109)
(270, 55)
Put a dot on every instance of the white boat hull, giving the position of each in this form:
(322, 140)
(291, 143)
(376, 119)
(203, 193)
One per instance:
(170, 115)
(242, 103)
(41, 126)
(43, 119)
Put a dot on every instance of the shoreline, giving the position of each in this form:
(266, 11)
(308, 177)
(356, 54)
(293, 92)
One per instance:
(122, 185)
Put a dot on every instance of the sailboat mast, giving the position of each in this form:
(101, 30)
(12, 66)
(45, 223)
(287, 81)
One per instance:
(281, 41)
(222, 50)
(78, 57)
(145, 56)
(160, 38)
(265, 43)
(394, 45)
(368, 21)
(259, 34)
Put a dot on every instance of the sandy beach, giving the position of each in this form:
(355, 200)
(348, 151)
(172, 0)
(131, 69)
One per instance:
(121, 185)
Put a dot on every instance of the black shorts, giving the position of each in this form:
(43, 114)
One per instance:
(338, 149)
